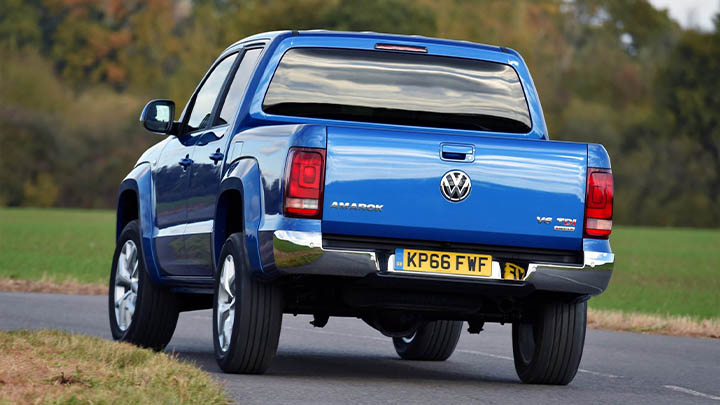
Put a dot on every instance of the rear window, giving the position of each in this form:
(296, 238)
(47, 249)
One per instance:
(398, 88)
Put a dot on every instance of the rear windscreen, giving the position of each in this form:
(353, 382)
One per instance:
(398, 88)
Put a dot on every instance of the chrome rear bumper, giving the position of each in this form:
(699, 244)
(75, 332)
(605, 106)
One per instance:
(300, 252)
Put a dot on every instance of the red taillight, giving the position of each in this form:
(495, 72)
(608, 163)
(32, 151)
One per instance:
(403, 48)
(599, 203)
(304, 179)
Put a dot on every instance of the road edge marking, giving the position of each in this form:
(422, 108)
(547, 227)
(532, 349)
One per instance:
(497, 356)
(691, 392)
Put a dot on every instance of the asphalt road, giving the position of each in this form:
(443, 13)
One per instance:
(348, 362)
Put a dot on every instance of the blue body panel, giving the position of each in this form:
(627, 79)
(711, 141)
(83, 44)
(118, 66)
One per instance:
(516, 176)
(598, 156)
(513, 182)
(139, 182)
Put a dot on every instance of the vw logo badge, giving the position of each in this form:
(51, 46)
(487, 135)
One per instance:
(455, 186)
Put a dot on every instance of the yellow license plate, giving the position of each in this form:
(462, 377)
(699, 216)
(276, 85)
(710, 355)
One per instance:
(464, 264)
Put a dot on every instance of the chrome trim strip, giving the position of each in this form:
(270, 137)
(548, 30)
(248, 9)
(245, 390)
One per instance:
(175, 230)
(300, 238)
(199, 227)
(296, 249)
(593, 261)
(599, 259)
(306, 248)
(190, 228)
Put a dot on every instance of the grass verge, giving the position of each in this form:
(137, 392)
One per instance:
(59, 367)
(45, 285)
(671, 325)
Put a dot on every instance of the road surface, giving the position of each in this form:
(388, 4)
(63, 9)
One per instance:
(349, 362)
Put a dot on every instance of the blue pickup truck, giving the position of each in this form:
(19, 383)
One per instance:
(406, 181)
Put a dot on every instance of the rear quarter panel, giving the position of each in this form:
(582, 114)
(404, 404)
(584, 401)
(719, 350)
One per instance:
(258, 173)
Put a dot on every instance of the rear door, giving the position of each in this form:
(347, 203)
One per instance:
(173, 187)
(170, 178)
(208, 157)
(389, 184)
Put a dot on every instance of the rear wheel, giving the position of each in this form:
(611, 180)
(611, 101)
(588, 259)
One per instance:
(548, 347)
(435, 341)
(140, 312)
(247, 314)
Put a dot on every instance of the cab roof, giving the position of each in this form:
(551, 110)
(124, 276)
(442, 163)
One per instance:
(415, 39)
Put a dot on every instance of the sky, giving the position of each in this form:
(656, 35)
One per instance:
(691, 13)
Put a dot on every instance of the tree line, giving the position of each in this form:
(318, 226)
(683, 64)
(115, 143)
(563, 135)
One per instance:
(75, 74)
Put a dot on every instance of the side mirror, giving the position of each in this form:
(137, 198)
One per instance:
(158, 116)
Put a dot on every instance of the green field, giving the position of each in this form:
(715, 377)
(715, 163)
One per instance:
(57, 244)
(658, 270)
(664, 270)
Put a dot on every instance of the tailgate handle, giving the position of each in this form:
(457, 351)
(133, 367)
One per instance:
(457, 152)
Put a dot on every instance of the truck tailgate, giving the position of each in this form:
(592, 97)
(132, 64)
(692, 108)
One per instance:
(387, 184)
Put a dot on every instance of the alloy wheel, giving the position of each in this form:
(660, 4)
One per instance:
(226, 303)
(126, 284)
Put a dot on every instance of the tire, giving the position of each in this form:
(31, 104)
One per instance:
(435, 341)
(247, 310)
(140, 312)
(548, 349)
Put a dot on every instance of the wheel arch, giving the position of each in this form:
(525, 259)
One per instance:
(239, 209)
(228, 216)
(135, 201)
(127, 209)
